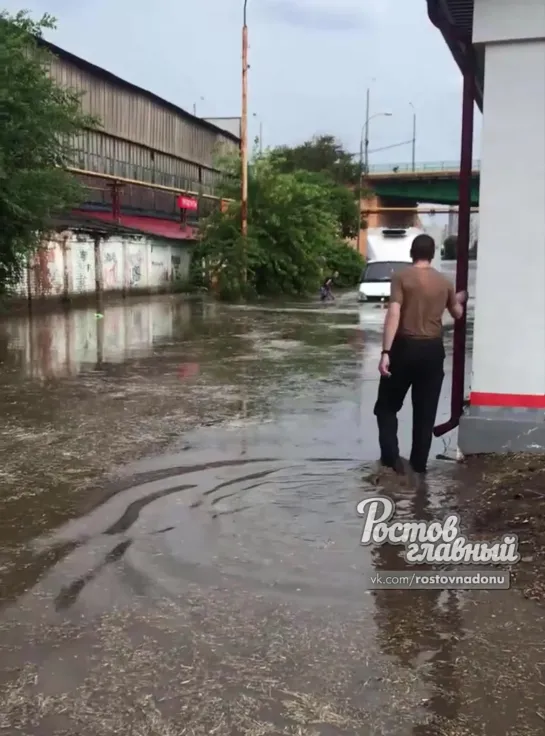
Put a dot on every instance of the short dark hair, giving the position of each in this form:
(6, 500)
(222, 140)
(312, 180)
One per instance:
(423, 248)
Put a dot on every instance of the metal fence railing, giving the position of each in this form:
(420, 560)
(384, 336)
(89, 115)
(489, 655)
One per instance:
(419, 167)
(98, 194)
(99, 164)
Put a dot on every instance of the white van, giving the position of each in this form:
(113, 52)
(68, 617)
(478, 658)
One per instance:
(388, 251)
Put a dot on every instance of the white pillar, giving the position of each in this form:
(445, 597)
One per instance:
(507, 411)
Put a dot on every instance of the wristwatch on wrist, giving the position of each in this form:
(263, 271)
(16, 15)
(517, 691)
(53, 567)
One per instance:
(385, 352)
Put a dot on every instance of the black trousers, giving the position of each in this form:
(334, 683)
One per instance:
(416, 364)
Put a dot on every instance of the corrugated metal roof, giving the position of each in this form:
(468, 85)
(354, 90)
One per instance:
(98, 71)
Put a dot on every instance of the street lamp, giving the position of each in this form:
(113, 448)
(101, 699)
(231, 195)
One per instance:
(364, 160)
(365, 132)
(413, 138)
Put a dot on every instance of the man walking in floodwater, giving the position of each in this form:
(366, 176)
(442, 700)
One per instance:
(325, 289)
(413, 354)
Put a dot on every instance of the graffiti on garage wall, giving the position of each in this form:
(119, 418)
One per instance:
(176, 268)
(135, 267)
(179, 263)
(159, 272)
(160, 265)
(110, 270)
(84, 268)
(69, 263)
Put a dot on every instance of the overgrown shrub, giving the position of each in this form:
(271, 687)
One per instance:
(343, 258)
(294, 235)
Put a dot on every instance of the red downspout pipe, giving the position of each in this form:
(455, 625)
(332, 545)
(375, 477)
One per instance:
(462, 250)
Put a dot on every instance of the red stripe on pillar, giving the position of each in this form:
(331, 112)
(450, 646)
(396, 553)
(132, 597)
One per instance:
(511, 401)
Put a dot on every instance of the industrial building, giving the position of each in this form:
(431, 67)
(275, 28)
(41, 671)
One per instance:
(130, 231)
(141, 137)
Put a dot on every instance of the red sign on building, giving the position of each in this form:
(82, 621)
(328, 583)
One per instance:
(187, 203)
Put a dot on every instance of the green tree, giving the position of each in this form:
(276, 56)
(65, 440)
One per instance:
(39, 122)
(344, 260)
(322, 155)
(345, 206)
(338, 199)
(293, 224)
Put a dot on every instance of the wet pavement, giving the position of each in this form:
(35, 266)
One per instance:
(179, 544)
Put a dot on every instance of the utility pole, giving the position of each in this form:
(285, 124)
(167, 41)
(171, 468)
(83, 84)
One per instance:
(414, 139)
(363, 164)
(360, 187)
(364, 155)
(244, 130)
(367, 110)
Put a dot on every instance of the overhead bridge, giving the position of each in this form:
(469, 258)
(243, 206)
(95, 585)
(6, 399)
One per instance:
(434, 182)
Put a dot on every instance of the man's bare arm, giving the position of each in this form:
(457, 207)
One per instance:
(455, 303)
(391, 323)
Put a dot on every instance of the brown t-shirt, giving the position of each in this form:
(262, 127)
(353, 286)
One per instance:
(423, 295)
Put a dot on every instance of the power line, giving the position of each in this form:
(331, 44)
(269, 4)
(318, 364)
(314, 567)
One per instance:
(394, 145)
(386, 148)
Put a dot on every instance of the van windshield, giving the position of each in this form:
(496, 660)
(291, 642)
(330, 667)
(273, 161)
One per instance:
(382, 271)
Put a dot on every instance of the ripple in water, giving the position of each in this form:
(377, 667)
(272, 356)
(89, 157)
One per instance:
(276, 525)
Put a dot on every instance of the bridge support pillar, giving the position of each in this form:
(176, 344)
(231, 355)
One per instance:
(507, 400)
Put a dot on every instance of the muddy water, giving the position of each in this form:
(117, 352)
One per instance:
(179, 543)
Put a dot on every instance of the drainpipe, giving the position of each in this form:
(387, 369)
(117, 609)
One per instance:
(462, 250)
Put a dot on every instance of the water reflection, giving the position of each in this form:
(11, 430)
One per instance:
(65, 344)
(421, 629)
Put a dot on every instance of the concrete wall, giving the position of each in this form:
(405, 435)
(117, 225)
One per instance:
(511, 240)
(73, 264)
(504, 20)
(507, 400)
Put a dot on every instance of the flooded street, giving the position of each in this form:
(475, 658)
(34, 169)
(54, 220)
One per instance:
(179, 544)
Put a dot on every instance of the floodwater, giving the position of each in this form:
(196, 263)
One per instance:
(179, 544)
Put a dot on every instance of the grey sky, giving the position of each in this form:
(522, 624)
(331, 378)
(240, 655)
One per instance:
(311, 61)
